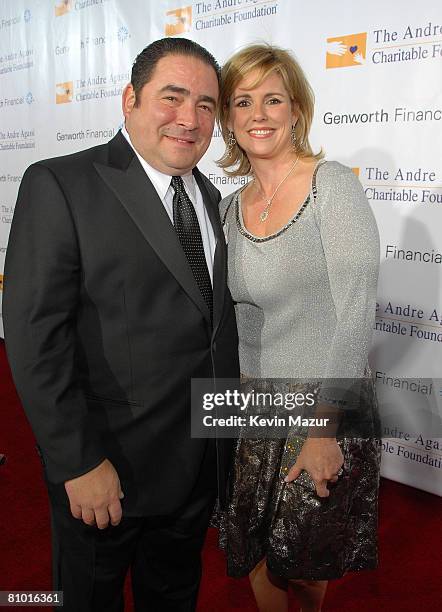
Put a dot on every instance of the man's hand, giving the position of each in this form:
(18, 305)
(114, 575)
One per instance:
(322, 459)
(95, 496)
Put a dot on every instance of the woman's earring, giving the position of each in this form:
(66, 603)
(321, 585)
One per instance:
(230, 143)
(293, 136)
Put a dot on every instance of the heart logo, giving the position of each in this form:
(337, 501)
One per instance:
(353, 49)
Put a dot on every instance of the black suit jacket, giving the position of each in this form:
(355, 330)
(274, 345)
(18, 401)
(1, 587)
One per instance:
(105, 325)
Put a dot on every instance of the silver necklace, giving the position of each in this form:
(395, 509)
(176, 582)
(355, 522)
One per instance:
(265, 213)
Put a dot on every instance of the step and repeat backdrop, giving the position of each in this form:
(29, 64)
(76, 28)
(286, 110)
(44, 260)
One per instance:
(376, 72)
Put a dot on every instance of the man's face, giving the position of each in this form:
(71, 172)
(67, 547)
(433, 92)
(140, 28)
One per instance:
(172, 124)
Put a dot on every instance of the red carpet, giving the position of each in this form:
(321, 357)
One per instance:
(409, 578)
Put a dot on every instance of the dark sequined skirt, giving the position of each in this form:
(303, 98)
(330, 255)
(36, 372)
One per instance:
(301, 535)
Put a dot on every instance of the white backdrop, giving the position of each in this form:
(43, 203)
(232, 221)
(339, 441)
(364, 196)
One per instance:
(376, 72)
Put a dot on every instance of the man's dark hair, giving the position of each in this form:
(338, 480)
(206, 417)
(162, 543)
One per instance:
(145, 62)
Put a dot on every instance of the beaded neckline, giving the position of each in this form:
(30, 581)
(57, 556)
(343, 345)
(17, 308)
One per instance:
(242, 230)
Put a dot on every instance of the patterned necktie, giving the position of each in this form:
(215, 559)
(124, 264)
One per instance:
(189, 234)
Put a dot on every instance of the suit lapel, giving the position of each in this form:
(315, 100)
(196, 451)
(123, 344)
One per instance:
(220, 258)
(127, 179)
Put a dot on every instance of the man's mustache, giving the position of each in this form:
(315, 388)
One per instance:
(182, 136)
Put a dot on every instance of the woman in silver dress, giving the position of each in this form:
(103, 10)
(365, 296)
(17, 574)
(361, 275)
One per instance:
(303, 256)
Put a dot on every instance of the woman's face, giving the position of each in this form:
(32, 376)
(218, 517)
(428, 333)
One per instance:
(261, 118)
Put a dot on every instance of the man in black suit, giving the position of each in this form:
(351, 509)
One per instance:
(115, 298)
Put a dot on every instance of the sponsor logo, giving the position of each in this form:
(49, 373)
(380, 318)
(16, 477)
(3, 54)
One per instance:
(65, 6)
(86, 4)
(345, 51)
(419, 256)
(179, 21)
(16, 139)
(64, 92)
(61, 50)
(413, 448)
(7, 213)
(62, 7)
(87, 134)
(8, 22)
(425, 386)
(222, 13)
(10, 178)
(400, 114)
(19, 100)
(408, 43)
(217, 179)
(12, 61)
(408, 319)
(11, 102)
(402, 185)
(96, 87)
(122, 34)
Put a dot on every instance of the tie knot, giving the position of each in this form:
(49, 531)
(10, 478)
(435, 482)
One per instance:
(177, 183)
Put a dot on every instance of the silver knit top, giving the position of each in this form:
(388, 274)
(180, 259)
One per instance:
(306, 295)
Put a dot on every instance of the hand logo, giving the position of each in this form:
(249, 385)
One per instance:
(346, 51)
(336, 47)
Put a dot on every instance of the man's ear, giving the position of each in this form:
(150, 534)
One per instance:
(128, 99)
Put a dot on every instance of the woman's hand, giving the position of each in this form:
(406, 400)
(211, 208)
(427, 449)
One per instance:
(322, 459)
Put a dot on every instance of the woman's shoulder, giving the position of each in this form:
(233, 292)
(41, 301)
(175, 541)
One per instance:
(334, 178)
(227, 201)
(339, 191)
(331, 170)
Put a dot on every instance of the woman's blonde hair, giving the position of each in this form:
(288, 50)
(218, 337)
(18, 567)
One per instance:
(266, 59)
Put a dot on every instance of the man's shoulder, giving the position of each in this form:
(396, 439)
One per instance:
(77, 172)
(73, 161)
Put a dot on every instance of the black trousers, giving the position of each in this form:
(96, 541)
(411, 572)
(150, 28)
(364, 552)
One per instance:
(163, 553)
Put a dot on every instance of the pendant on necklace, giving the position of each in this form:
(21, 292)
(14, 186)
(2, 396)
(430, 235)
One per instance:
(263, 216)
